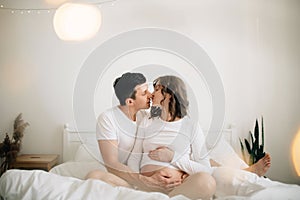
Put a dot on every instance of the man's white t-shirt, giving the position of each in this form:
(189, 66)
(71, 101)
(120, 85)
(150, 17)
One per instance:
(113, 124)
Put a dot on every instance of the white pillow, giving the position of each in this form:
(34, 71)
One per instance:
(86, 159)
(76, 169)
(88, 150)
(88, 153)
(224, 154)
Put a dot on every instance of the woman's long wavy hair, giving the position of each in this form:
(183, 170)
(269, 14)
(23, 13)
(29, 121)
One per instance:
(173, 85)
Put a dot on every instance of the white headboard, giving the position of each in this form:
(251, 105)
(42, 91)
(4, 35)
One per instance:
(72, 139)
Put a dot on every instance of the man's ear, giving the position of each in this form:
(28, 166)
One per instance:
(129, 101)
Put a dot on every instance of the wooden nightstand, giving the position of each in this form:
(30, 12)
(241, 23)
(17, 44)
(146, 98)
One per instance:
(35, 161)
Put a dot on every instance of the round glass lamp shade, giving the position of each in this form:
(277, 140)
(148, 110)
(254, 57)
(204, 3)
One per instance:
(76, 22)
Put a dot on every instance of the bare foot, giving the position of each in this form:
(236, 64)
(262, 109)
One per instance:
(261, 167)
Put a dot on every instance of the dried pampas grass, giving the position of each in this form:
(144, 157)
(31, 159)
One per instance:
(10, 148)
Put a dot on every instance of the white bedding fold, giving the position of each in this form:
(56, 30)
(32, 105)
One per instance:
(37, 184)
(234, 182)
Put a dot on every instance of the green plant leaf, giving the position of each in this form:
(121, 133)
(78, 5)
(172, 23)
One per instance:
(248, 146)
(260, 155)
(251, 160)
(251, 140)
(243, 150)
(256, 135)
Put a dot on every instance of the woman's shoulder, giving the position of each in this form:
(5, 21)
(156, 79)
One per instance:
(188, 121)
(191, 125)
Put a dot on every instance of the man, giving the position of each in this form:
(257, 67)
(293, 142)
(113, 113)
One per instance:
(116, 129)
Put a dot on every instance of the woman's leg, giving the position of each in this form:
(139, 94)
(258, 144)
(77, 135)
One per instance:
(197, 186)
(108, 178)
(260, 167)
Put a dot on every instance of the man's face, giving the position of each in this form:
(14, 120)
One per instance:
(142, 97)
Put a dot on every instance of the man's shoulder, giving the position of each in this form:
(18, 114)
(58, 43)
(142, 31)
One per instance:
(108, 113)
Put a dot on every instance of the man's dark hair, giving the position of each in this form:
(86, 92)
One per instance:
(125, 85)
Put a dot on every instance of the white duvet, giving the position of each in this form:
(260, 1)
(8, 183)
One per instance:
(245, 185)
(66, 181)
(61, 183)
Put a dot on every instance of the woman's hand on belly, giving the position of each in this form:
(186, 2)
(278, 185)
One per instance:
(163, 154)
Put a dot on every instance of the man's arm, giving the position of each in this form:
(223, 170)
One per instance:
(109, 151)
(134, 160)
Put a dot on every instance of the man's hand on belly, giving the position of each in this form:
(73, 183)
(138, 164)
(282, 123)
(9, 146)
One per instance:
(170, 178)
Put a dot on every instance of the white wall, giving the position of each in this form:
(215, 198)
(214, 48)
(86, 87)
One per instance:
(254, 45)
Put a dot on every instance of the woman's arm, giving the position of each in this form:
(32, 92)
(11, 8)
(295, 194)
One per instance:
(183, 162)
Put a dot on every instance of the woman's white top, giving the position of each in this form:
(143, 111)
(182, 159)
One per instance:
(183, 136)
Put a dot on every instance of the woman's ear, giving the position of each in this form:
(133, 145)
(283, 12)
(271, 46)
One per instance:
(166, 100)
(167, 96)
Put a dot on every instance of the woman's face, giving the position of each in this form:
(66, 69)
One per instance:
(157, 96)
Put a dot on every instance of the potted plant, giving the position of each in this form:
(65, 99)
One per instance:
(254, 148)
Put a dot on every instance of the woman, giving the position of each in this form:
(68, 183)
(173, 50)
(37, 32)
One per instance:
(171, 127)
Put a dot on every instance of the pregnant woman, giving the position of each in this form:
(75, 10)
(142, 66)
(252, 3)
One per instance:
(170, 126)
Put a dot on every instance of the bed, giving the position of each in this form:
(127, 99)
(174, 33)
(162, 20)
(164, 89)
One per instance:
(80, 155)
